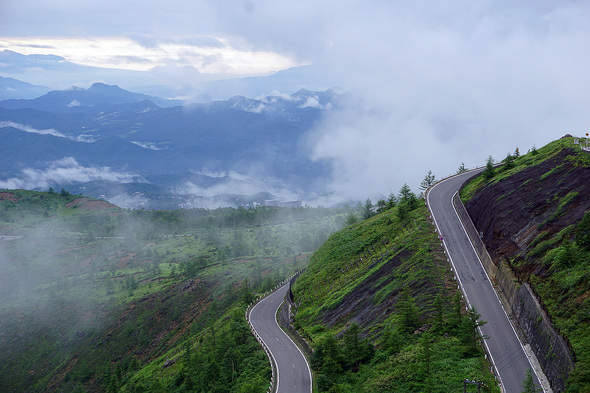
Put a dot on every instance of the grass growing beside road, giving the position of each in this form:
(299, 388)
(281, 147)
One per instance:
(393, 321)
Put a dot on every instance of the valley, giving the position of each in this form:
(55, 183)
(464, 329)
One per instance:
(145, 288)
(95, 296)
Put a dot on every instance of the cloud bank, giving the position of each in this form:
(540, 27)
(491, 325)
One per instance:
(441, 84)
(64, 171)
(438, 83)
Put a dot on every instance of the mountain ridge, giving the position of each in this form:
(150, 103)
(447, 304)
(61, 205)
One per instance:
(260, 139)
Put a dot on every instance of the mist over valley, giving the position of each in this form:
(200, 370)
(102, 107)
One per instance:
(106, 142)
(164, 167)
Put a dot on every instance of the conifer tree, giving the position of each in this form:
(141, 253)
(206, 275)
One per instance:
(428, 181)
(407, 316)
(462, 168)
(356, 350)
(508, 162)
(470, 325)
(406, 196)
(528, 385)
(367, 209)
(490, 171)
(438, 310)
(391, 201)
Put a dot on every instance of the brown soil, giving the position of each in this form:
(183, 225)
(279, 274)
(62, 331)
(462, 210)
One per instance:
(9, 196)
(358, 306)
(361, 307)
(91, 204)
(513, 212)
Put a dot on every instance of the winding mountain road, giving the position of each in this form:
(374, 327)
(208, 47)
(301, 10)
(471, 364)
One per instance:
(293, 374)
(504, 347)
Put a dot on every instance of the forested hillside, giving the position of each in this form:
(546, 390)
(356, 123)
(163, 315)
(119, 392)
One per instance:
(534, 215)
(100, 299)
(380, 307)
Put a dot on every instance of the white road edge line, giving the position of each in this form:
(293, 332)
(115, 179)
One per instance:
(268, 349)
(489, 281)
(495, 293)
(296, 346)
(461, 283)
(299, 349)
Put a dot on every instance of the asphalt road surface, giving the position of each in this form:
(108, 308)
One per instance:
(293, 372)
(503, 345)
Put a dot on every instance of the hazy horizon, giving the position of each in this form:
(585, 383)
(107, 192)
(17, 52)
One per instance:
(436, 85)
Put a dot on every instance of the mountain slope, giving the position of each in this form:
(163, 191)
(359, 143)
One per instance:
(74, 98)
(11, 88)
(243, 146)
(101, 299)
(383, 312)
(530, 216)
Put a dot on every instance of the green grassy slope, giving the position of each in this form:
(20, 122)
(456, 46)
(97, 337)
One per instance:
(383, 312)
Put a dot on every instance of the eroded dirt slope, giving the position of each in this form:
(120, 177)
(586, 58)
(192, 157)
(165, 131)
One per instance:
(514, 211)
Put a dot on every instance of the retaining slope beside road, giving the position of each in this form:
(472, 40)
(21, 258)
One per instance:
(507, 353)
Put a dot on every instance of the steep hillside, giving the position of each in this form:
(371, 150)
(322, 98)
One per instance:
(531, 213)
(382, 310)
(101, 299)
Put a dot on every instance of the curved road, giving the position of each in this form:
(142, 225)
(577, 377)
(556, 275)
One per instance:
(503, 345)
(293, 372)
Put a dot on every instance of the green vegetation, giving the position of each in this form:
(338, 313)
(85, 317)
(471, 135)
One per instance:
(100, 299)
(428, 181)
(563, 203)
(528, 386)
(490, 171)
(556, 261)
(524, 161)
(383, 312)
(111, 300)
(564, 291)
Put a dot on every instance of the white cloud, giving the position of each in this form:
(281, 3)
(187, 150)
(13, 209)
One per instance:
(129, 54)
(64, 171)
(233, 183)
(146, 145)
(312, 102)
(48, 131)
(25, 128)
(127, 201)
(440, 82)
(449, 83)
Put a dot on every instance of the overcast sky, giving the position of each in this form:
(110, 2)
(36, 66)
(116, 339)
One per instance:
(439, 83)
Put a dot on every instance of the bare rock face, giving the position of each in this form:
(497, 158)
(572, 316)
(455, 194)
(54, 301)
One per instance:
(516, 214)
(548, 197)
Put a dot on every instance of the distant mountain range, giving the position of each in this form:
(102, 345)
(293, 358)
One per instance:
(11, 88)
(147, 151)
(97, 96)
(38, 69)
